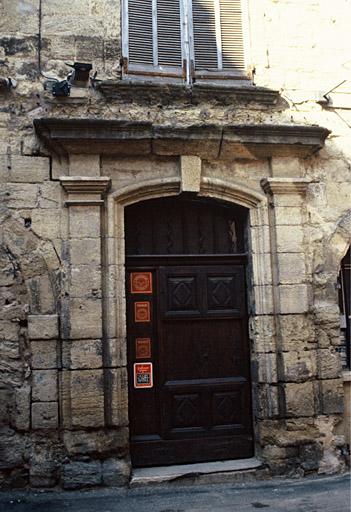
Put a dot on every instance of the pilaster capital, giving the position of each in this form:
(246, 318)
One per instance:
(289, 186)
(85, 190)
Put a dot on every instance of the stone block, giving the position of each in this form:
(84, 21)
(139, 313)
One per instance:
(262, 333)
(22, 195)
(85, 318)
(263, 300)
(84, 165)
(116, 352)
(299, 366)
(44, 415)
(267, 368)
(41, 293)
(85, 281)
(21, 416)
(310, 456)
(289, 238)
(288, 216)
(28, 169)
(293, 299)
(329, 363)
(44, 354)
(272, 452)
(43, 469)
(190, 171)
(97, 443)
(85, 251)
(299, 399)
(46, 223)
(42, 327)
(50, 193)
(332, 395)
(115, 472)
(262, 269)
(12, 449)
(77, 475)
(266, 401)
(260, 240)
(82, 354)
(86, 398)
(297, 332)
(44, 385)
(285, 167)
(119, 396)
(291, 268)
(9, 330)
(84, 222)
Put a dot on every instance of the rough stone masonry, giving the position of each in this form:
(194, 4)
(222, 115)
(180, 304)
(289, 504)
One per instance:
(68, 168)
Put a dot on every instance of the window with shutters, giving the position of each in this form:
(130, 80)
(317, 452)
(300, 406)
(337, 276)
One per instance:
(186, 39)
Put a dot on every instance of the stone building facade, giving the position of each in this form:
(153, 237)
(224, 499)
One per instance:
(277, 144)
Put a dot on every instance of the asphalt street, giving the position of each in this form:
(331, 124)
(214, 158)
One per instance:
(327, 494)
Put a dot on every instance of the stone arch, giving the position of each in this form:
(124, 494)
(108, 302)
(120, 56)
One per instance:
(338, 243)
(328, 259)
(28, 273)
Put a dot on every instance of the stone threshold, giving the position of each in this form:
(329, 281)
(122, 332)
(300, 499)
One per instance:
(206, 472)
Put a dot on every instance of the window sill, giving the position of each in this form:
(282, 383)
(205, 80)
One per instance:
(167, 92)
(346, 376)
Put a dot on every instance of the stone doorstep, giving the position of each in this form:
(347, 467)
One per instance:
(214, 472)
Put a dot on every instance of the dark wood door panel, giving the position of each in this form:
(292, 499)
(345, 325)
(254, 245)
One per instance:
(183, 451)
(202, 291)
(199, 408)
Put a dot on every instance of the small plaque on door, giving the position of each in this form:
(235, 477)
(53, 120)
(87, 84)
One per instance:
(143, 375)
(142, 348)
(142, 312)
(141, 282)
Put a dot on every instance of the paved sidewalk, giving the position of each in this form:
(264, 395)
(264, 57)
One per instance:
(327, 494)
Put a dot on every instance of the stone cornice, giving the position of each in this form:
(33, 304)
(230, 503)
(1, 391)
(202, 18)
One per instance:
(285, 185)
(208, 141)
(85, 185)
(141, 91)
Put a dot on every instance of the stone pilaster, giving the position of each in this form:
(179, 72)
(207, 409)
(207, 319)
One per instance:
(295, 341)
(81, 316)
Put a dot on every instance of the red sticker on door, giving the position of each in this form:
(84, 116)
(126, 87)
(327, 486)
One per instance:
(143, 375)
(142, 348)
(141, 282)
(142, 312)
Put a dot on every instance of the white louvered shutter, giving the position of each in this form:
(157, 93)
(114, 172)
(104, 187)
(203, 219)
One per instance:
(218, 35)
(232, 35)
(140, 34)
(204, 30)
(169, 39)
(154, 34)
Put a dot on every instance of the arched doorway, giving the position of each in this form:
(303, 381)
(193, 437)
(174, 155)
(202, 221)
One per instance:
(188, 348)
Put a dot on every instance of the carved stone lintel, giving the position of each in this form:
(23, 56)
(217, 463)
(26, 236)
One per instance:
(205, 140)
(85, 185)
(285, 185)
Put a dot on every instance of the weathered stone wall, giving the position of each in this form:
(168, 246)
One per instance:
(63, 409)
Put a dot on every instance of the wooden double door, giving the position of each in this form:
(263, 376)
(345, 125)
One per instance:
(188, 357)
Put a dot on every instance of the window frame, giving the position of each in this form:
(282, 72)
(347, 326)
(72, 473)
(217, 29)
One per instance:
(186, 71)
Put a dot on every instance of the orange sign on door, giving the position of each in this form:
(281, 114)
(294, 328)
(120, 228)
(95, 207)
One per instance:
(141, 282)
(142, 311)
